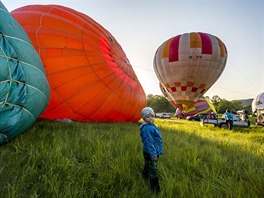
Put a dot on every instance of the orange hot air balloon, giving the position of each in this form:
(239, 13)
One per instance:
(90, 76)
(188, 65)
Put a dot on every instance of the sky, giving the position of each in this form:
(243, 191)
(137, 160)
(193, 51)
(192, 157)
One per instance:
(141, 26)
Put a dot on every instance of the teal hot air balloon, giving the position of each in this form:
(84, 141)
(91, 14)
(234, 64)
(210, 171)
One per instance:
(24, 89)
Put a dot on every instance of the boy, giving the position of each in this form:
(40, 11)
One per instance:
(152, 147)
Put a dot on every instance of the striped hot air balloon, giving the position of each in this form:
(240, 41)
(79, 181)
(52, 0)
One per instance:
(203, 105)
(188, 65)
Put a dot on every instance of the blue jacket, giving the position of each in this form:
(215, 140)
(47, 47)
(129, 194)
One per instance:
(228, 116)
(151, 139)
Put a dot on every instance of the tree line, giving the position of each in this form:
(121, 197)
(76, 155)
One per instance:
(161, 104)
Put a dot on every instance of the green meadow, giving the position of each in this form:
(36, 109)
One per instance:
(69, 160)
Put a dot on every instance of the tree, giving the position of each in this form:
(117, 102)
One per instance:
(248, 108)
(159, 103)
(216, 100)
(232, 105)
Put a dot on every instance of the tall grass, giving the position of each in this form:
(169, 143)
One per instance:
(105, 159)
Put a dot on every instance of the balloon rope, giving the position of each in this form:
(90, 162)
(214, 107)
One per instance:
(6, 138)
(18, 39)
(25, 63)
(9, 70)
(4, 10)
(11, 80)
(10, 104)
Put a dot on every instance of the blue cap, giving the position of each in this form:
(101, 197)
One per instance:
(145, 111)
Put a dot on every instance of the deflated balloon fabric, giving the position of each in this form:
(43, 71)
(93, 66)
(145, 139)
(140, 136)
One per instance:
(24, 89)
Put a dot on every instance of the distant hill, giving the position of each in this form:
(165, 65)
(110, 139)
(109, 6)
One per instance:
(246, 102)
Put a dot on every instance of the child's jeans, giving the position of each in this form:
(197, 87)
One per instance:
(150, 167)
(151, 171)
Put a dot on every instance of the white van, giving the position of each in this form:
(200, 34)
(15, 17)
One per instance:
(163, 115)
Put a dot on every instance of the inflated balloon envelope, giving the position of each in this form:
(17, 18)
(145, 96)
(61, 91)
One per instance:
(167, 95)
(203, 105)
(258, 102)
(90, 76)
(188, 65)
(24, 90)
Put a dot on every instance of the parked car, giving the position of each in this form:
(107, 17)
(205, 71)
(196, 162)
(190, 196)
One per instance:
(239, 120)
(222, 123)
(163, 115)
(197, 117)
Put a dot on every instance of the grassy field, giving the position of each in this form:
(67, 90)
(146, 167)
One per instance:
(68, 160)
